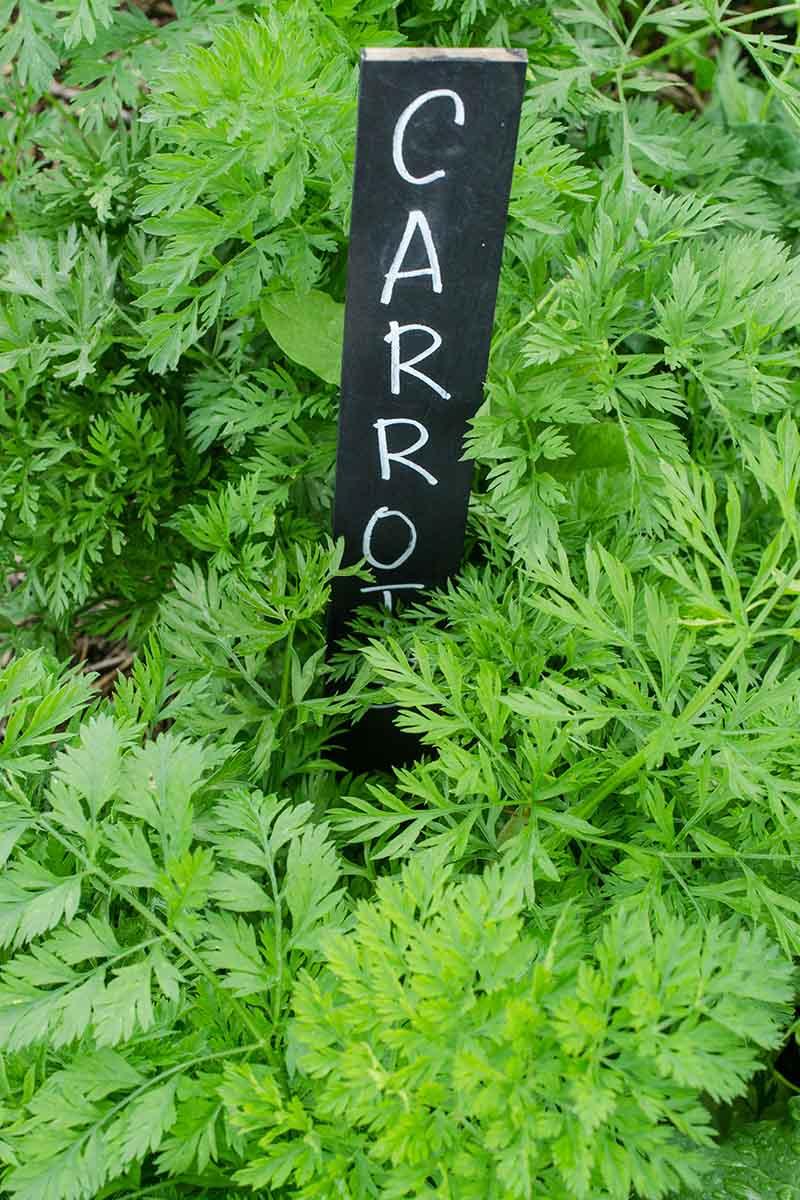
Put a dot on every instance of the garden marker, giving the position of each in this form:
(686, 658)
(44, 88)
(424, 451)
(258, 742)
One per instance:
(437, 132)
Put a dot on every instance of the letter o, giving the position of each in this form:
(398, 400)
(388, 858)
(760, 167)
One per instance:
(381, 514)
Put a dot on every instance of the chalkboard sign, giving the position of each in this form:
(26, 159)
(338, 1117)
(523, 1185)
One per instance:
(437, 132)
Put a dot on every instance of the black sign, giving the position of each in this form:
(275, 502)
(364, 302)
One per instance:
(437, 132)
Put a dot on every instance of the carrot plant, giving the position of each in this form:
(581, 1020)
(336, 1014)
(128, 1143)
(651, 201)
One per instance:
(556, 956)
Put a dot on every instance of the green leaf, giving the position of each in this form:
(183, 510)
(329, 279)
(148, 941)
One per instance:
(309, 328)
(288, 186)
(125, 1005)
(82, 18)
(239, 892)
(143, 1124)
(312, 873)
(760, 1161)
(33, 900)
(91, 771)
(231, 947)
(29, 40)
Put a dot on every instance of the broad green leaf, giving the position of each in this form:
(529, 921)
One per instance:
(600, 445)
(760, 1161)
(308, 328)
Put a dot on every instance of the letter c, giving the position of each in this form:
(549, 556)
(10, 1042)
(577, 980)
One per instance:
(400, 130)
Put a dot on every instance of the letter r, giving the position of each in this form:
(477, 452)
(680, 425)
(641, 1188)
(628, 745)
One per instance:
(388, 456)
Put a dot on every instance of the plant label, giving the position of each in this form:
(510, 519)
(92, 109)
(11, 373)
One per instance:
(437, 132)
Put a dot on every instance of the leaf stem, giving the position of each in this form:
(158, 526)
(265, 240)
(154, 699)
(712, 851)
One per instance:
(634, 64)
(507, 333)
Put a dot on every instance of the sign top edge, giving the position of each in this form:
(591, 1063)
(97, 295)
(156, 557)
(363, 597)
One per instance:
(432, 53)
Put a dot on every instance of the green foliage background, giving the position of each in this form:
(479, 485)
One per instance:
(555, 958)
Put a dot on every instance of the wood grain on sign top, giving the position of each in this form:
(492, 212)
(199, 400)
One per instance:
(434, 53)
(435, 149)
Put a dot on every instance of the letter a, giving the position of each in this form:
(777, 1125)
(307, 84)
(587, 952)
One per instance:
(409, 365)
(416, 220)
